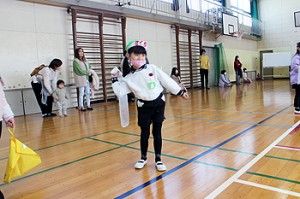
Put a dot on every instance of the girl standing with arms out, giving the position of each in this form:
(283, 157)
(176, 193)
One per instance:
(294, 78)
(81, 69)
(146, 81)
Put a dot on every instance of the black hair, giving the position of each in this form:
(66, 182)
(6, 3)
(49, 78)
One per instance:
(173, 71)
(125, 67)
(55, 63)
(59, 82)
(202, 51)
(137, 50)
(298, 51)
(244, 69)
(236, 57)
(223, 71)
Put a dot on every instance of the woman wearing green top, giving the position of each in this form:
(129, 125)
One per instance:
(81, 70)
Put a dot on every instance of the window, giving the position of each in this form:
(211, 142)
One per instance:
(168, 1)
(243, 5)
(194, 4)
(242, 11)
(210, 5)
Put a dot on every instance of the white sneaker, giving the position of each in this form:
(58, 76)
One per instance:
(160, 166)
(140, 164)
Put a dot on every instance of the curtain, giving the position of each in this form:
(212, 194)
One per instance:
(187, 6)
(223, 3)
(220, 62)
(255, 23)
(254, 9)
(175, 5)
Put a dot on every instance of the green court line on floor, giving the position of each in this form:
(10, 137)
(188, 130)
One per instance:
(280, 158)
(215, 165)
(62, 165)
(230, 121)
(209, 164)
(274, 177)
(186, 143)
(74, 161)
(225, 121)
(192, 144)
(206, 146)
(113, 143)
(4, 158)
(125, 145)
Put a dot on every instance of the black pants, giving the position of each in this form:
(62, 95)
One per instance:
(151, 112)
(45, 108)
(204, 74)
(297, 96)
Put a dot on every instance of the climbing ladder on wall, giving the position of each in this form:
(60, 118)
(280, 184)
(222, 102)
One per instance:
(102, 36)
(186, 51)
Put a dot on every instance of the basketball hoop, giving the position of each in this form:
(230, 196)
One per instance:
(238, 35)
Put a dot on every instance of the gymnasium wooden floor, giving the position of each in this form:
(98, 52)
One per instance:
(239, 142)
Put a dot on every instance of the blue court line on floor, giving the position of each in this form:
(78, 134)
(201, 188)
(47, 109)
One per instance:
(213, 120)
(138, 188)
(229, 121)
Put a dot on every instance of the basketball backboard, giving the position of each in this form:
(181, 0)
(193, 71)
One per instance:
(230, 25)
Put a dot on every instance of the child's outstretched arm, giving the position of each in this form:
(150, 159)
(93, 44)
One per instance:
(183, 94)
(120, 88)
(170, 84)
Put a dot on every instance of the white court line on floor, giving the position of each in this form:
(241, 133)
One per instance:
(240, 172)
(292, 193)
(288, 148)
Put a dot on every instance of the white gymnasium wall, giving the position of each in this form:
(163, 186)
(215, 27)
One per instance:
(31, 34)
(280, 33)
(245, 49)
(158, 37)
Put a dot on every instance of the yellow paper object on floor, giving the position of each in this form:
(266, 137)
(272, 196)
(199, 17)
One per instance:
(21, 159)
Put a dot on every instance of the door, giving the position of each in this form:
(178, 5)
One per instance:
(265, 73)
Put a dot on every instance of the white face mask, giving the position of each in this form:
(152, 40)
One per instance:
(224, 73)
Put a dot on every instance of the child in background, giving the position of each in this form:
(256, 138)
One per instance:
(60, 97)
(146, 81)
(175, 76)
(245, 76)
(224, 81)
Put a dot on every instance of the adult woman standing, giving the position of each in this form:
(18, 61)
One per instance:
(295, 80)
(44, 84)
(81, 70)
(238, 70)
